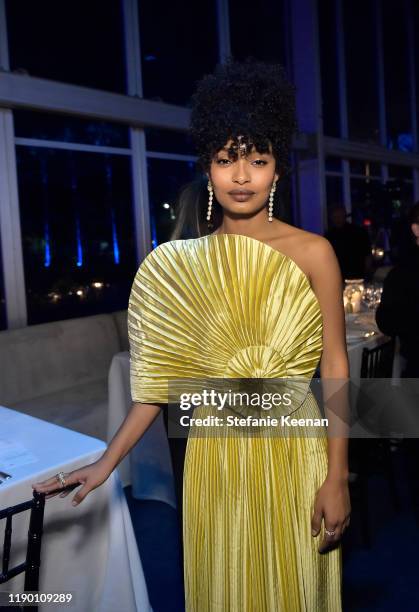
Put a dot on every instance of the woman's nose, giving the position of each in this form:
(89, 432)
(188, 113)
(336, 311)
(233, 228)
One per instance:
(240, 171)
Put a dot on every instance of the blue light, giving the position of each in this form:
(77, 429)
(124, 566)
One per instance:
(44, 180)
(402, 142)
(115, 240)
(154, 240)
(405, 142)
(47, 261)
(79, 245)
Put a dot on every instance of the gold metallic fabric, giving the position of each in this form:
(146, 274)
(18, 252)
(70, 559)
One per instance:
(230, 306)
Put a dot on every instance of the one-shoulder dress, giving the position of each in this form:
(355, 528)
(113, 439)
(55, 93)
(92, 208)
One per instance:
(230, 306)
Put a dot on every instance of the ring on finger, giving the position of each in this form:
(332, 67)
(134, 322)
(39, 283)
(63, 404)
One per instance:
(61, 478)
(329, 533)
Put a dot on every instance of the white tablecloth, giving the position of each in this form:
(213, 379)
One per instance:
(365, 321)
(89, 550)
(148, 467)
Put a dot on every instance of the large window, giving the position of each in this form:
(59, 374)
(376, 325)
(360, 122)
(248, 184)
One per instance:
(29, 124)
(77, 232)
(396, 76)
(178, 45)
(329, 67)
(334, 190)
(258, 30)
(361, 70)
(72, 41)
(167, 141)
(166, 178)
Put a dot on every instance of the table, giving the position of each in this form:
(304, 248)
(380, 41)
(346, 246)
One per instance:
(148, 467)
(89, 550)
(364, 321)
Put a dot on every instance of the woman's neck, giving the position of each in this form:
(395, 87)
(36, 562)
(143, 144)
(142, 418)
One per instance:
(256, 227)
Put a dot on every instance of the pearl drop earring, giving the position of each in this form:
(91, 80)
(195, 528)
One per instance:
(210, 199)
(271, 202)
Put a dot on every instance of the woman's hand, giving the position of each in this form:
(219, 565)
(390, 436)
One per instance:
(332, 503)
(90, 476)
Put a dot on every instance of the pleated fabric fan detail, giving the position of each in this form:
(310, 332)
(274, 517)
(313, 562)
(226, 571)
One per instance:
(220, 306)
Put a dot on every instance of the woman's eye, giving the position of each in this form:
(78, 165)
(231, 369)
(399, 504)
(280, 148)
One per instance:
(223, 161)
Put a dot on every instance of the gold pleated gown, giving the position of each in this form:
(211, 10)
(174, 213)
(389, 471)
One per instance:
(230, 306)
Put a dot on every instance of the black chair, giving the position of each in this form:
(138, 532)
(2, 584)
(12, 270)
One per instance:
(33, 552)
(369, 456)
(378, 361)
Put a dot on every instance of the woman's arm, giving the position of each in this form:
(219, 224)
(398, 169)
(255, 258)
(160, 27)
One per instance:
(93, 475)
(332, 502)
(326, 280)
(138, 420)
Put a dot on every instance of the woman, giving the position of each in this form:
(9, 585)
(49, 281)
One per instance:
(255, 298)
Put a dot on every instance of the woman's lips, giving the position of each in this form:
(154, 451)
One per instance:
(241, 196)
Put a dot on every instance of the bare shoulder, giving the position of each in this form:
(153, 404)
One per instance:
(322, 267)
(318, 250)
(307, 249)
(321, 262)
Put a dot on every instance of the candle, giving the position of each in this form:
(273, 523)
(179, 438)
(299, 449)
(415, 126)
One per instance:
(356, 301)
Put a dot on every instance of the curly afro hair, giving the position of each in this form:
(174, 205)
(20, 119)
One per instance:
(251, 99)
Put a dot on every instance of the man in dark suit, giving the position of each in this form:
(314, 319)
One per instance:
(398, 315)
(398, 312)
(351, 244)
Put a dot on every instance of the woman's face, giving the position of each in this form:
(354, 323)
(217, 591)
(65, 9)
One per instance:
(242, 184)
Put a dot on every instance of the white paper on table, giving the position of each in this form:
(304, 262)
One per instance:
(14, 454)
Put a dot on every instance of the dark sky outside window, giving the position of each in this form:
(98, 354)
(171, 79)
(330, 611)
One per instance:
(165, 180)
(367, 197)
(396, 73)
(333, 164)
(73, 41)
(258, 30)
(169, 141)
(334, 191)
(328, 67)
(358, 166)
(361, 70)
(30, 124)
(178, 46)
(77, 229)
(416, 55)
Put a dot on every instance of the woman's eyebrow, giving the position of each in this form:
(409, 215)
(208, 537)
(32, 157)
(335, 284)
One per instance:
(252, 152)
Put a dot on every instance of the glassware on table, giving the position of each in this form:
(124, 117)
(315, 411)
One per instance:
(371, 295)
(352, 294)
